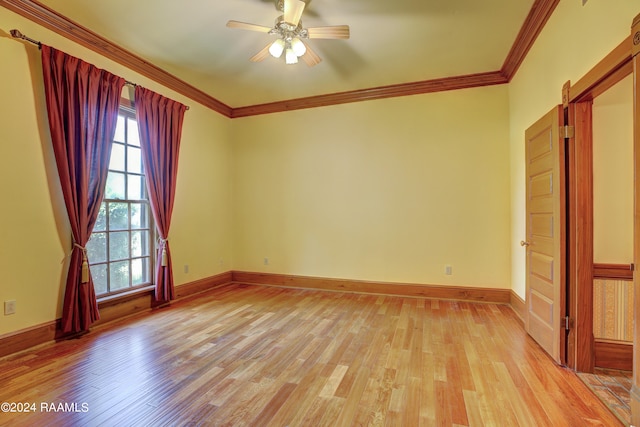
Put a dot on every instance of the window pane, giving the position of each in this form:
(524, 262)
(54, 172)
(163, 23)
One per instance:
(139, 215)
(101, 221)
(119, 275)
(135, 187)
(115, 186)
(132, 132)
(140, 271)
(134, 161)
(120, 250)
(97, 248)
(119, 129)
(119, 245)
(139, 243)
(116, 162)
(99, 275)
(118, 216)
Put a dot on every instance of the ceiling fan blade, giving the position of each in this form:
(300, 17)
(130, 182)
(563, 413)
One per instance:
(310, 57)
(247, 26)
(331, 32)
(262, 55)
(293, 11)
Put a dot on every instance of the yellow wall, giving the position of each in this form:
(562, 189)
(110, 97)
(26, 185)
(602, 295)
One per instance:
(388, 190)
(613, 175)
(34, 228)
(575, 38)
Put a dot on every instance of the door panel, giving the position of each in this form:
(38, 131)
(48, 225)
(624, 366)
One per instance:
(541, 268)
(545, 232)
(542, 224)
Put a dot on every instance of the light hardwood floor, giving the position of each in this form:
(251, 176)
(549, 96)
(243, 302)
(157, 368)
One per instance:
(268, 356)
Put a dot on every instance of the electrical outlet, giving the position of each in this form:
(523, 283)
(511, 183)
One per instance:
(186, 268)
(448, 270)
(10, 307)
(266, 261)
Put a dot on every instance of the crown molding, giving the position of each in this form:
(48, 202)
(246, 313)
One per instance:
(391, 91)
(533, 25)
(48, 18)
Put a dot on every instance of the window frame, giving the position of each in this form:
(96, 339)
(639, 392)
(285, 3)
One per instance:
(127, 110)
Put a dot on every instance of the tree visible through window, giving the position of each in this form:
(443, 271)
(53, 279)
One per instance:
(120, 246)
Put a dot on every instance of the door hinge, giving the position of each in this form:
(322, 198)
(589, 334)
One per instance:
(567, 131)
(567, 323)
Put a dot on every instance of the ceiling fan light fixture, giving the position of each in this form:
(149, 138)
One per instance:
(276, 48)
(289, 33)
(298, 47)
(290, 57)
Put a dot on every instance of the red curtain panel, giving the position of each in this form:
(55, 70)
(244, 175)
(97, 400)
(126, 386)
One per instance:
(82, 105)
(160, 127)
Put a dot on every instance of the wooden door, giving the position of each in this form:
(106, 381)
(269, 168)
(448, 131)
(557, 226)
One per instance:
(545, 281)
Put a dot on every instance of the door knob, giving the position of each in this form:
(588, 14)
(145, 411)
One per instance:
(523, 243)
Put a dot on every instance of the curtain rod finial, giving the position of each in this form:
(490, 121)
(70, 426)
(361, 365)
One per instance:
(18, 35)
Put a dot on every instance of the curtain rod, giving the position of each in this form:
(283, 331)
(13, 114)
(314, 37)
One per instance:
(18, 35)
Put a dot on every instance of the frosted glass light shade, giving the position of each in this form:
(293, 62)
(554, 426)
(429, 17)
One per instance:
(291, 57)
(298, 47)
(276, 48)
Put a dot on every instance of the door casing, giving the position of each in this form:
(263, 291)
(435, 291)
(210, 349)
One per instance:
(577, 102)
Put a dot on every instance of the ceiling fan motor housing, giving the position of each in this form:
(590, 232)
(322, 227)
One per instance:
(288, 31)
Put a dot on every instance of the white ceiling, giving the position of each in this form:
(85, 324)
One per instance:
(392, 41)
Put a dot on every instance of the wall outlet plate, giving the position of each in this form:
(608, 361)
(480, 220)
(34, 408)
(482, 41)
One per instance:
(10, 307)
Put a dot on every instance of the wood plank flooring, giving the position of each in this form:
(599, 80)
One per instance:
(248, 355)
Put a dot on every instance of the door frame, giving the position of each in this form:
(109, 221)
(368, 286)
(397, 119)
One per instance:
(635, 55)
(577, 101)
(579, 345)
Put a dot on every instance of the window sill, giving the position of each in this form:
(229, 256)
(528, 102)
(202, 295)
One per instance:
(113, 299)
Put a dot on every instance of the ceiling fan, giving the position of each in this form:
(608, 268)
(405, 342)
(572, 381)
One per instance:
(290, 34)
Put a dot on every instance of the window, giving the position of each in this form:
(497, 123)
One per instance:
(121, 243)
